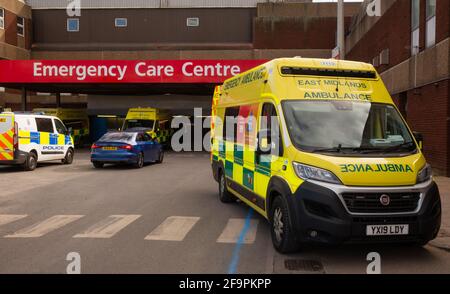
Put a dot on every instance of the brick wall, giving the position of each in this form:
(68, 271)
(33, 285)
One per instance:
(393, 31)
(295, 32)
(427, 112)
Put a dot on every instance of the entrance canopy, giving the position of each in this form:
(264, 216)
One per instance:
(195, 77)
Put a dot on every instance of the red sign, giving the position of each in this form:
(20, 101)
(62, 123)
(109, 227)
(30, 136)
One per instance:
(121, 71)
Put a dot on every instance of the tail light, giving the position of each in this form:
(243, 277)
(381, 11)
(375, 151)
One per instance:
(16, 136)
(126, 147)
(95, 146)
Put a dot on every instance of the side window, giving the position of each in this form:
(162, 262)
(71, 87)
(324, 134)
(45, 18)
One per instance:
(44, 125)
(230, 125)
(270, 123)
(60, 128)
(140, 138)
(147, 137)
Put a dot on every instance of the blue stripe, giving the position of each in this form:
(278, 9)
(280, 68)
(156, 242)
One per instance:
(235, 258)
(35, 137)
(53, 139)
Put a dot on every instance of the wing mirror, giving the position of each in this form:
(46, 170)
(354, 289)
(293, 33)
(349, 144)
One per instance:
(419, 138)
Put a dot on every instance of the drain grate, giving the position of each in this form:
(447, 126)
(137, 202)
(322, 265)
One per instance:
(303, 265)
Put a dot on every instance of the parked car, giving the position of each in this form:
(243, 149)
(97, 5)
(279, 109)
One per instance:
(128, 147)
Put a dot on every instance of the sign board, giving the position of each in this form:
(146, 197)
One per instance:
(121, 71)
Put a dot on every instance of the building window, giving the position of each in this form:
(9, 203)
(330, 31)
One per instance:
(431, 23)
(415, 27)
(121, 22)
(73, 25)
(2, 18)
(193, 22)
(20, 26)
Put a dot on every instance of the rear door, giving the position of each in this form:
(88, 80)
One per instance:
(7, 130)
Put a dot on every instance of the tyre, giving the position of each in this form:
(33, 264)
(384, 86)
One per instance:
(31, 162)
(97, 164)
(69, 157)
(160, 156)
(283, 238)
(139, 161)
(224, 195)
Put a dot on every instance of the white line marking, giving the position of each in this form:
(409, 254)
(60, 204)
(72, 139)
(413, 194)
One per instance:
(108, 227)
(233, 229)
(174, 228)
(45, 227)
(9, 218)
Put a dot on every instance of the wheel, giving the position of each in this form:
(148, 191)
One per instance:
(160, 157)
(139, 161)
(31, 162)
(98, 164)
(224, 195)
(283, 238)
(69, 157)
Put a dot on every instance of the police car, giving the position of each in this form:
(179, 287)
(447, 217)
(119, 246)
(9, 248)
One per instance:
(26, 139)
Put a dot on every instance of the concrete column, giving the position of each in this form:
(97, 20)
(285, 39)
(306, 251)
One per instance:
(340, 29)
(24, 100)
(58, 100)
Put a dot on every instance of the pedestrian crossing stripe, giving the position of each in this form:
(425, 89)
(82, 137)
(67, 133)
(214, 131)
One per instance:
(173, 228)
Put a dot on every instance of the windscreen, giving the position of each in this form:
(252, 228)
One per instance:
(338, 126)
(139, 123)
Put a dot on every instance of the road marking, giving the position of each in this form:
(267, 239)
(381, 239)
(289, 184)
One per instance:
(174, 228)
(234, 228)
(232, 268)
(9, 218)
(108, 227)
(45, 227)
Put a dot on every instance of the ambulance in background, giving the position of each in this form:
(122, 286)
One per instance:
(26, 139)
(319, 148)
(157, 122)
(76, 120)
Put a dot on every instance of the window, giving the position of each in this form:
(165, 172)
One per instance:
(230, 130)
(121, 22)
(2, 18)
(140, 137)
(415, 26)
(44, 125)
(60, 127)
(431, 23)
(20, 26)
(192, 22)
(73, 25)
(147, 137)
(269, 122)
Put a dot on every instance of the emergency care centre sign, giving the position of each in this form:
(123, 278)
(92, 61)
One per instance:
(121, 71)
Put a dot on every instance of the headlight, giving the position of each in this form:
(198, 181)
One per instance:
(424, 174)
(307, 172)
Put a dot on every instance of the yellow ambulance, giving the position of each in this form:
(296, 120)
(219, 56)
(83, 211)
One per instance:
(76, 120)
(318, 148)
(157, 122)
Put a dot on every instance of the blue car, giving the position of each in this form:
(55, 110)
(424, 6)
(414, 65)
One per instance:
(128, 147)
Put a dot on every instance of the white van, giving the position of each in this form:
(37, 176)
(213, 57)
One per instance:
(26, 139)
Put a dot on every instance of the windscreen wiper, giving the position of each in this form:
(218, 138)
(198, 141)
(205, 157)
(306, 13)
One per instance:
(388, 149)
(337, 149)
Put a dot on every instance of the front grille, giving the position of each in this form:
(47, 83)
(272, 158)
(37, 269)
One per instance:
(370, 202)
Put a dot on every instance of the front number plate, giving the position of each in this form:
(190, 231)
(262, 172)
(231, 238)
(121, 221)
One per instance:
(387, 230)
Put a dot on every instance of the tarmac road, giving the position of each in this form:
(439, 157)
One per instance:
(160, 219)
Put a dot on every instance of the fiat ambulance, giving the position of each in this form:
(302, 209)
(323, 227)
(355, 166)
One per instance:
(157, 122)
(26, 139)
(319, 149)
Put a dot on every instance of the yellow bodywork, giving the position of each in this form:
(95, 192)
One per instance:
(269, 83)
